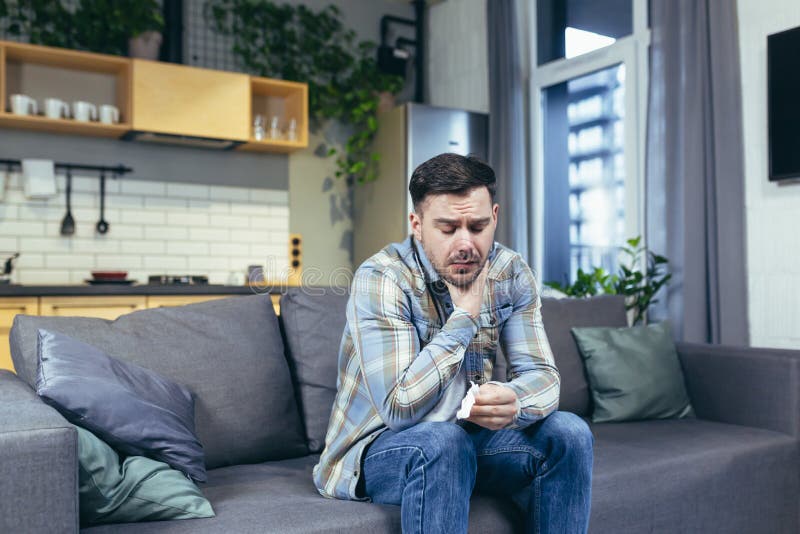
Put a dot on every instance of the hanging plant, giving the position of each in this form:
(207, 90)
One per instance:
(292, 42)
(95, 25)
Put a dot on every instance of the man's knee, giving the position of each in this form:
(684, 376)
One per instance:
(570, 430)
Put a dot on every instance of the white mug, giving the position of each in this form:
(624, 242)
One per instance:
(84, 111)
(21, 105)
(109, 114)
(55, 108)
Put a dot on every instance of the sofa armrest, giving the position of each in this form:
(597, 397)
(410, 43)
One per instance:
(755, 387)
(38, 463)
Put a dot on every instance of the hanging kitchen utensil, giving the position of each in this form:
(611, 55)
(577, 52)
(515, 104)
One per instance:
(102, 225)
(68, 223)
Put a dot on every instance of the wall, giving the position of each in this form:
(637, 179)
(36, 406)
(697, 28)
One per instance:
(773, 243)
(458, 75)
(156, 227)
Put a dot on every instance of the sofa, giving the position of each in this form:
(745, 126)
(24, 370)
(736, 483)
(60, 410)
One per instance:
(264, 387)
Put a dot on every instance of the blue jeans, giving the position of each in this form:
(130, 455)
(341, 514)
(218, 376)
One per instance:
(431, 469)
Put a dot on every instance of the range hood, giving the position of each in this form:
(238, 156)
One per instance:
(181, 140)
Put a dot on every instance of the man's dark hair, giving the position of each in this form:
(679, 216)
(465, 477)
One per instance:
(450, 173)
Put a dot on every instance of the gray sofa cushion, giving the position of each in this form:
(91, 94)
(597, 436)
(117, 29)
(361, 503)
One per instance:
(313, 321)
(281, 497)
(691, 475)
(559, 316)
(228, 353)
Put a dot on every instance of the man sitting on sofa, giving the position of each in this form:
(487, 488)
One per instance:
(424, 321)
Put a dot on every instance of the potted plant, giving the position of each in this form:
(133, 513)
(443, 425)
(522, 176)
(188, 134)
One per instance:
(145, 24)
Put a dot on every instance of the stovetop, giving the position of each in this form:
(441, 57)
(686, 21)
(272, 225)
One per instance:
(177, 280)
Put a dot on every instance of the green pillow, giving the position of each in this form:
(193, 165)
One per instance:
(633, 373)
(139, 489)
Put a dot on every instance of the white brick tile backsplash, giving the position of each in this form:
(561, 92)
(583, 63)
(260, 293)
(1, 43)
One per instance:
(144, 247)
(45, 245)
(118, 262)
(156, 228)
(229, 221)
(187, 219)
(187, 190)
(9, 244)
(229, 193)
(99, 245)
(69, 261)
(8, 211)
(178, 233)
(209, 234)
(143, 187)
(184, 247)
(229, 249)
(167, 204)
(210, 206)
(165, 262)
(21, 228)
(143, 217)
(204, 263)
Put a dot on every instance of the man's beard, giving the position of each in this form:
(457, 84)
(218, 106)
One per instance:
(442, 270)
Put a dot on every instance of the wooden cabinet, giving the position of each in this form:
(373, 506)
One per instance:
(160, 301)
(151, 96)
(102, 307)
(180, 100)
(42, 71)
(9, 308)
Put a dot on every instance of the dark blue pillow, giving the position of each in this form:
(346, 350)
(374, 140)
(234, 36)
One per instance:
(133, 409)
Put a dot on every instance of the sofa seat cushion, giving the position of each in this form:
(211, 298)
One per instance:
(227, 352)
(281, 497)
(676, 476)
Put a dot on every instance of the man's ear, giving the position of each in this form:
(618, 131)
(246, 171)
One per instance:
(416, 224)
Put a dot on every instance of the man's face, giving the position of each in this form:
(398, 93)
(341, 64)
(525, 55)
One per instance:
(456, 233)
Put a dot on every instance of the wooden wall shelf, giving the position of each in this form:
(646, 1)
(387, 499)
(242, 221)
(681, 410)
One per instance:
(70, 75)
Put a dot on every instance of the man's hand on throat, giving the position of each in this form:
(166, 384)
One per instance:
(469, 298)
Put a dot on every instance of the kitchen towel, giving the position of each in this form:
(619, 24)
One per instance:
(39, 178)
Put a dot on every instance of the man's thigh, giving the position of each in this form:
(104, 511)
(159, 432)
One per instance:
(389, 459)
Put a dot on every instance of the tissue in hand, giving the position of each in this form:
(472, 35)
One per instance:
(468, 401)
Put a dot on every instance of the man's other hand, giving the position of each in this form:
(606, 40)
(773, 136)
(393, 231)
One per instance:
(495, 407)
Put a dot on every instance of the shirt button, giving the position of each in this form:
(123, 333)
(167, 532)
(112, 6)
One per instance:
(477, 377)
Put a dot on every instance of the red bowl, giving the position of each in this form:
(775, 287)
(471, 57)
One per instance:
(109, 275)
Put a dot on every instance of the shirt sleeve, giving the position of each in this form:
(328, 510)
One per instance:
(404, 382)
(534, 377)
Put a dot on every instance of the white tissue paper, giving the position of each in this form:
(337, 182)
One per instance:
(468, 401)
(39, 178)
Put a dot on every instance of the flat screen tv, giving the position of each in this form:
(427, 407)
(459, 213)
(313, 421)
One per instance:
(783, 88)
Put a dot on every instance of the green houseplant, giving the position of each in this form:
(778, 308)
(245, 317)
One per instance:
(103, 26)
(641, 275)
(292, 42)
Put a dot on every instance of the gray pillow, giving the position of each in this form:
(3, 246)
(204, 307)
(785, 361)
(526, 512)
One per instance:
(133, 409)
(313, 323)
(634, 373)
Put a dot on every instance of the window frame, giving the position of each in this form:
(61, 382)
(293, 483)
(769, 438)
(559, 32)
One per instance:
(632, 51)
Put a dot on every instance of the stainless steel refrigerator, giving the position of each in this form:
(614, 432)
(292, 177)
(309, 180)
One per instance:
(407, 136)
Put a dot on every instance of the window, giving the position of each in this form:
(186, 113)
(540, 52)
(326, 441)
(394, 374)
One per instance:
(588, 97)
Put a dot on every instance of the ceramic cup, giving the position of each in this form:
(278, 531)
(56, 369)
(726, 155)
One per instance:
(84, 111)
(109, 114)
(22, 104)
(55, 108)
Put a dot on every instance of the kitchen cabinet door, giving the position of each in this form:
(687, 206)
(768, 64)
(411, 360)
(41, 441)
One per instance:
(9, 308)
(179, 300)
(181, 100)
(102, 307)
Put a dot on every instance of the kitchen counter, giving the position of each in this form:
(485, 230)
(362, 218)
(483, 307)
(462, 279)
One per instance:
(16, 290)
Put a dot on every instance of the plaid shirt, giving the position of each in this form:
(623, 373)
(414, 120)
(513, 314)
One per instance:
(402, 346)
